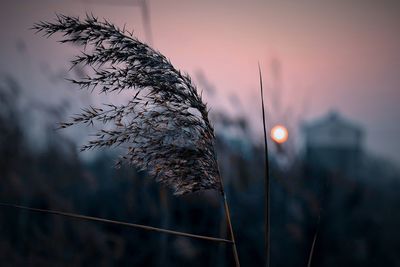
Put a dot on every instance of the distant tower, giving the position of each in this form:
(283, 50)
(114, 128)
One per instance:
(333, 144)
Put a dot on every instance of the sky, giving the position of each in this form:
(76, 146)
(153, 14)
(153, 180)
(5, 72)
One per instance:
(316, 56)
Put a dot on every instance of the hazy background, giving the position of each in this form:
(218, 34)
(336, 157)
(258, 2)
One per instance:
(342, 55)
(315, 56)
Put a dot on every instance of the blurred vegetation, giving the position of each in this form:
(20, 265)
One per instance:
(359, 225)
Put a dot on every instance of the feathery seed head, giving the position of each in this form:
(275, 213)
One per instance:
(165, 124)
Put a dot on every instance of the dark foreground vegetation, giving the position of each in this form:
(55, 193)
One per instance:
(359, 212)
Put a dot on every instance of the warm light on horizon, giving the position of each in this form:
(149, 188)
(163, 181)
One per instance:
(279, 134)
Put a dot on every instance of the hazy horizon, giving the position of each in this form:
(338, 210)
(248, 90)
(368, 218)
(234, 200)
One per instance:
(339, 55)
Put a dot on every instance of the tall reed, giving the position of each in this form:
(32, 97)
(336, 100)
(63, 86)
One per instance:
(266, 179)
(164, 126)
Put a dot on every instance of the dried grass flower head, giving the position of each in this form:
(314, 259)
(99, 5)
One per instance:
(164, 126)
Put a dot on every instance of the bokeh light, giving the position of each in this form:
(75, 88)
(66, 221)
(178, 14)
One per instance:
(279, 134)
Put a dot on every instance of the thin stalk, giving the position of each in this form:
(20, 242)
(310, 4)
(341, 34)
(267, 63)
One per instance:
(266, 180)
(133, 225)
(310, 257)
(146, 21)
(228, 219)
(314, 242)
(220, 259)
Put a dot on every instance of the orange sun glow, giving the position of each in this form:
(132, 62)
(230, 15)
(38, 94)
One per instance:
(279, 134)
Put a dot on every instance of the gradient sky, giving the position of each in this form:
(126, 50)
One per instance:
(342, 55)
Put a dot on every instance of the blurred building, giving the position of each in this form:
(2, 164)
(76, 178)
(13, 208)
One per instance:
(333, 143)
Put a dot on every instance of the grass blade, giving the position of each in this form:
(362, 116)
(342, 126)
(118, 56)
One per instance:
(133, 225)
(266, 179)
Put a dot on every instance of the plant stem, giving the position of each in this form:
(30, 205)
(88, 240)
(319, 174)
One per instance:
(266, 181)
(140, 226)
(228, 219)
(313, 244)
(310, 257)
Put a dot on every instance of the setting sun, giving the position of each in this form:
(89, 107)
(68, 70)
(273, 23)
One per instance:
(279, 134)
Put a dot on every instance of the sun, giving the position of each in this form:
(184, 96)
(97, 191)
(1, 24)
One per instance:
(279, 134)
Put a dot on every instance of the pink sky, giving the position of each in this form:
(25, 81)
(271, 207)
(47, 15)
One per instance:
(342, 55)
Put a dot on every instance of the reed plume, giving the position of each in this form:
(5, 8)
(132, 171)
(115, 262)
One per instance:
(164, 126)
